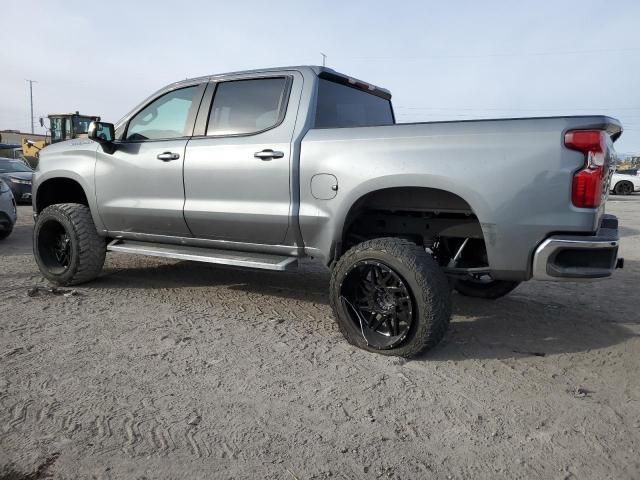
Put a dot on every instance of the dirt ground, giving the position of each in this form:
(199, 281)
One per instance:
(168, 369)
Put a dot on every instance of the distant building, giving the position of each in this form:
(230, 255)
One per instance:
(16, 136)
(627, 160)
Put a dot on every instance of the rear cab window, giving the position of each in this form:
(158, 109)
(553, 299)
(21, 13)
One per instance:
(343, 104)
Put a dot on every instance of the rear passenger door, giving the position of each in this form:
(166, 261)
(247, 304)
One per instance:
(237, 171)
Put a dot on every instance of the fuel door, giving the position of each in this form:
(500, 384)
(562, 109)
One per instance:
(324, 186)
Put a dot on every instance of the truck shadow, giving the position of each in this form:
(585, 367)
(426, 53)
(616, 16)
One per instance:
(520, 327)
(538, 319)
(309, 283)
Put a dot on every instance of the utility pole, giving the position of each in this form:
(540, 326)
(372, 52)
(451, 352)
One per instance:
(31, 82)
(324, 59)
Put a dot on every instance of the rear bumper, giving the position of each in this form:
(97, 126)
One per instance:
(577, 257)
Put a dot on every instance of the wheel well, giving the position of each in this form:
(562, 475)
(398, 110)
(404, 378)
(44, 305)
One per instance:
(433, 218)
(59, 190)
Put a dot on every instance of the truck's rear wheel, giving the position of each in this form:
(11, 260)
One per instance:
(484, 287)
(66, 245)
(391, 297)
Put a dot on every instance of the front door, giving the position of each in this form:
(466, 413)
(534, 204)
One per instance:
(139, 187)
(237, 174)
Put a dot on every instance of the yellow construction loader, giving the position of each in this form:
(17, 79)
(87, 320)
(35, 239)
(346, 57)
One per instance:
(62, 126)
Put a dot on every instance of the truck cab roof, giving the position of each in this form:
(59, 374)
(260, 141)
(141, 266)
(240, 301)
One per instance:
(317, 70)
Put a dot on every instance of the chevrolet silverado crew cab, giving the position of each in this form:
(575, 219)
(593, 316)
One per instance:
(261, 168)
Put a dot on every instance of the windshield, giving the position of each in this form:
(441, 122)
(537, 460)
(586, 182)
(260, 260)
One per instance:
(81, 124)
(7, 166)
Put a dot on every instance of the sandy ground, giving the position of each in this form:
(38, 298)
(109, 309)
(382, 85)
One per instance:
(166, 369)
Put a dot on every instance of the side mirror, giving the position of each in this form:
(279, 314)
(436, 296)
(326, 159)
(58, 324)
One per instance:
(104, 134)
(41, 122)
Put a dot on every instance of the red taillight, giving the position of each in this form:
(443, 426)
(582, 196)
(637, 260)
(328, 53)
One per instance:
(587, 183)
(585, 140)
(587, 188)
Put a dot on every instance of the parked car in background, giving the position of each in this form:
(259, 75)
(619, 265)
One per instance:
(8, 212)
(624, 184)
(11, 150)
(629, 171)
(17, 175)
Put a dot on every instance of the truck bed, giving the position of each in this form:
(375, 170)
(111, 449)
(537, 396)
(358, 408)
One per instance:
(515, 174)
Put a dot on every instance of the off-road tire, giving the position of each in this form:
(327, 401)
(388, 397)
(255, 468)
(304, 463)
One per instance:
(490, 290)
(87, 248)
(623, 187)
(425, 280)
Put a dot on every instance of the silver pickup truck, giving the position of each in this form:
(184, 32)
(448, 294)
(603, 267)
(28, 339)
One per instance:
(261, 168)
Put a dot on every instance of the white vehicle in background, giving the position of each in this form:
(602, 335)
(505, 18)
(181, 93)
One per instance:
(624, 184)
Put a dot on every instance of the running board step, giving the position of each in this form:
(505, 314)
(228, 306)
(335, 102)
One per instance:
(198, 254)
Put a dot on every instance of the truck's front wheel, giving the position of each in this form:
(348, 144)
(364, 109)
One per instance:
(66, 245)
(389, 296)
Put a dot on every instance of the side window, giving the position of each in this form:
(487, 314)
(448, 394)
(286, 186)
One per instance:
(247, 106)
(56, 129)
(165, 117)
(67, 129)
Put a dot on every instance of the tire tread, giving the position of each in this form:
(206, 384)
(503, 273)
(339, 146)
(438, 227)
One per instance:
(91, 246)
(433, 293)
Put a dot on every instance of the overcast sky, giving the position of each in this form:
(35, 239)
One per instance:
(441, 60)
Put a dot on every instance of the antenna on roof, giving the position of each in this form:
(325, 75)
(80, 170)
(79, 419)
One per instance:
(324, 59)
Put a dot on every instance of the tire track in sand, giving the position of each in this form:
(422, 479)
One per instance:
(18, 414)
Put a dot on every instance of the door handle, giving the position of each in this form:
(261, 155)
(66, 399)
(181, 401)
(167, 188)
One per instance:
(168, 156)
(268, 154)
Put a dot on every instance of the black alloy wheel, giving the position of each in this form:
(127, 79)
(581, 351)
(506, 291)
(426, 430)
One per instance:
(379, 303)
(54, 246)
(390, 296)
(66, 244)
